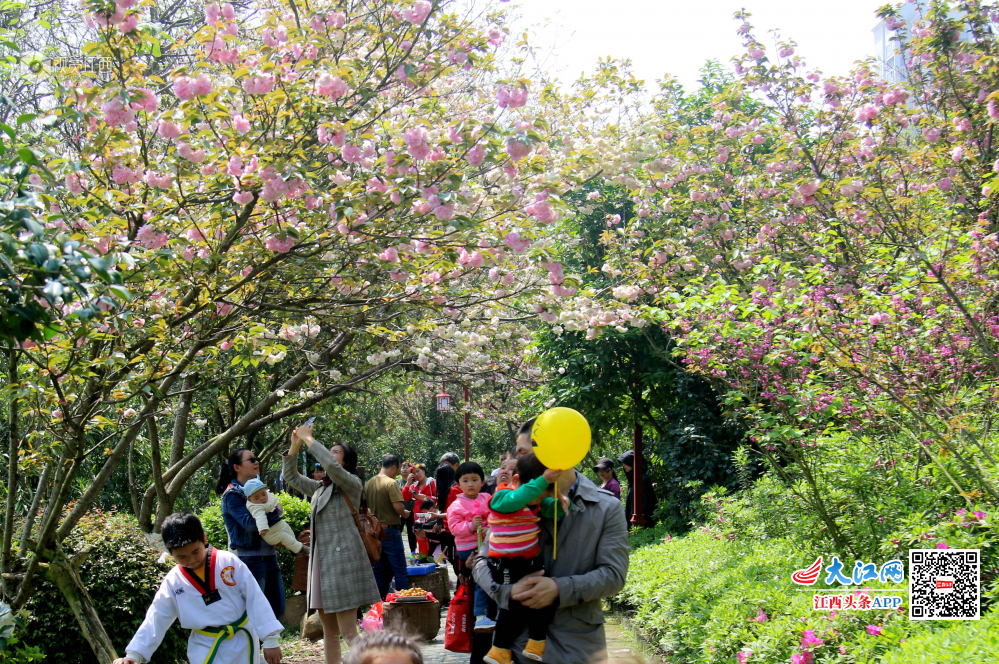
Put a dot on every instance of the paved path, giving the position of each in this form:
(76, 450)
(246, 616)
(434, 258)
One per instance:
(621, 646)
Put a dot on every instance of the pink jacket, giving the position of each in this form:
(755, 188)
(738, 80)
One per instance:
(459, 519)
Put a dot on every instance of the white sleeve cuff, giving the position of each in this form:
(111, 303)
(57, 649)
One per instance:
(272, 640)
(136, 656)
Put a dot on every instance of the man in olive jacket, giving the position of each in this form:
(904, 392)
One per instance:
(591, 563)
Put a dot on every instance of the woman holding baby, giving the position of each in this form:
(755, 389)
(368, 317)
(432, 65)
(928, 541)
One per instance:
(340, 578)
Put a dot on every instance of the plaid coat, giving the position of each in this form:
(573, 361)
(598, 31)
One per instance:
(338, 555)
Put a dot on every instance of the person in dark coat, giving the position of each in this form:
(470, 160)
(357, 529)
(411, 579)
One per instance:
(649, 499)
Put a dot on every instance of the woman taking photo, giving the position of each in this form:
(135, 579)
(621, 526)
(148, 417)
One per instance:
(340, 578)
(419, 485)
(244, 539)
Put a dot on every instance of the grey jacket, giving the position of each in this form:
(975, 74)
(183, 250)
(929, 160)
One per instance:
(338, 555)
(592, 563)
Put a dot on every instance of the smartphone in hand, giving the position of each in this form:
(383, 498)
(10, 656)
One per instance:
(310, 421)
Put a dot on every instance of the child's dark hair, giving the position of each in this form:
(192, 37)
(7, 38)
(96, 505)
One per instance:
(366, 649)
(181, 529)
(470, 468)
(428, 504)
(529, 468)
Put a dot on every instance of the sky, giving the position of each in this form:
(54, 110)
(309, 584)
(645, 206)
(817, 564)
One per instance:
(678, 36)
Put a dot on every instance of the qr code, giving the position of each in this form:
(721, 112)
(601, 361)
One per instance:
(944, 584)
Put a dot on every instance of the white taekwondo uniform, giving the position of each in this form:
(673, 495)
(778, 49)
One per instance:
(224, 627)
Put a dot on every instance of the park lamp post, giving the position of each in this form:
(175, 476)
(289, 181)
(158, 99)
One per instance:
(444, 406)
(444, 401)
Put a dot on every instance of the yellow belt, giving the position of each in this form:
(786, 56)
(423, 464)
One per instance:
(224, 633)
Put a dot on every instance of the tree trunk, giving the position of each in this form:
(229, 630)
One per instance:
(12, 451)
(64, 573)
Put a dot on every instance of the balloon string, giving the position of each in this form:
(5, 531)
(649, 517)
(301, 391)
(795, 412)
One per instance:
(555, 543)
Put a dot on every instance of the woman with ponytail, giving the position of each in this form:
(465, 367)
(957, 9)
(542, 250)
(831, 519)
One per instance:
(244, 539)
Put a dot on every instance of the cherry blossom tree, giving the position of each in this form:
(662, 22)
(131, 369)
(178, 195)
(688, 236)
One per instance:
(333, 191)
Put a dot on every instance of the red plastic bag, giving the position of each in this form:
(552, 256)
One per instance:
(373, 620)
(458, 629)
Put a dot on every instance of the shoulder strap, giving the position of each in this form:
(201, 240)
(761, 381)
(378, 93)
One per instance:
(353, 511)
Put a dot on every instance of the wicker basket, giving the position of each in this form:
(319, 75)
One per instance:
(417, 619)
(300, 581)
(437, 582)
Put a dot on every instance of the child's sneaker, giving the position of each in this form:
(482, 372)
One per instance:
(498, 656)
(534, 650)
(484, 624)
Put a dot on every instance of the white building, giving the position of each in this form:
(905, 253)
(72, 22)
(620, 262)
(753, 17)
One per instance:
(886, 51)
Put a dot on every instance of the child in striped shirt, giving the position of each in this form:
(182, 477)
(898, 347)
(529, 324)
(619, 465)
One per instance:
(514, 552)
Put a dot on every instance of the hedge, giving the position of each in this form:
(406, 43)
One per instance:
(121, 576)
(296, 513)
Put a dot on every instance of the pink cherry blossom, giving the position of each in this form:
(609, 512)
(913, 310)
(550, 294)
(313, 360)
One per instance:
(212, 13)
(476, 155)
(331, 86)
(185, 151)
(202, 86)
(182, 88)
(151, 239)
(277, 244)
(169, 129)
(352, 154)
(130, 23)
(391, 255)
(418, 12)
(116, 113)
(258, 85)
(515, 98)
(516, 244)
(866, 113)
(517, 149)
(145, 100)
(808, 188)
(74, 183)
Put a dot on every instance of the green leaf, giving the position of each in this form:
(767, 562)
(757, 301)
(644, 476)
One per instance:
(27, 156)
(120, 291)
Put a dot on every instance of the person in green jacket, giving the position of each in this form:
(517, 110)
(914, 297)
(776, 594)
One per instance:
(514, 552)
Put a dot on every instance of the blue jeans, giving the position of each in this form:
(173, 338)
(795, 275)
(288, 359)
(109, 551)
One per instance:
(480, 606)
(392, 563)
(267, 572)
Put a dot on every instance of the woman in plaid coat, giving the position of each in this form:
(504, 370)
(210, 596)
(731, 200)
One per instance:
(340, 576)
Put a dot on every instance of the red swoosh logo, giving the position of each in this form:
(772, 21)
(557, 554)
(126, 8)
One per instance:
(806, 577)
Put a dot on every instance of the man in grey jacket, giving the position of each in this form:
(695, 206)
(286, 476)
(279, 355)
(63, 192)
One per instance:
(591, 563)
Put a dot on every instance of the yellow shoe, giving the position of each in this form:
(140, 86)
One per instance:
(534, 650)
(499, 656)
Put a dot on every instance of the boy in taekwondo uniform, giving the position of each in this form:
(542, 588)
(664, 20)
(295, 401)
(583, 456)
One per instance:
(215, 596)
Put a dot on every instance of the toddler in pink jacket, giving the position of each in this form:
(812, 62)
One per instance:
(466, 517)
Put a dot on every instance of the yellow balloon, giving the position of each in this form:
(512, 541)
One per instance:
(561, 438)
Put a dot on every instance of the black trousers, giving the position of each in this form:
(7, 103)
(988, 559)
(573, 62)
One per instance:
(511, 621)
(410, 522)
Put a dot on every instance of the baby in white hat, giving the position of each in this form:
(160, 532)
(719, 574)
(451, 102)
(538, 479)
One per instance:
(259, 502)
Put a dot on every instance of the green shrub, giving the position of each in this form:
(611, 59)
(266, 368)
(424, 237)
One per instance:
(12, 650)
(296, 513)
(121, 576)
(696, 598)
(972, 641)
